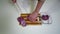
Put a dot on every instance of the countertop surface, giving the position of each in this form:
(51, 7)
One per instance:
(10, 25)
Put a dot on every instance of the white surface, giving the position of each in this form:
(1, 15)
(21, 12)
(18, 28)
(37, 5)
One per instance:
(9, 24)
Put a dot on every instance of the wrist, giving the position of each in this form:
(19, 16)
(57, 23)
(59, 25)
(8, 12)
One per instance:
(36, 12)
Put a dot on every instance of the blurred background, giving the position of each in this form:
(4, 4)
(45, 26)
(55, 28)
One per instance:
(10, 25)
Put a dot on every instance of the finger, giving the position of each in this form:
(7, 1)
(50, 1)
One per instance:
(32, 19)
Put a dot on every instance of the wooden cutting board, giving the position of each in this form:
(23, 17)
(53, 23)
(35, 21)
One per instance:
(38, 20)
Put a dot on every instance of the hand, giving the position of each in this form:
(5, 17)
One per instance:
(32, 17)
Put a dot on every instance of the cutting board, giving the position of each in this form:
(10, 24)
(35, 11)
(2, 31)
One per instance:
(37, 22)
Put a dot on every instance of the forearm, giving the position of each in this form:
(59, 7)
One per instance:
(39, 5)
